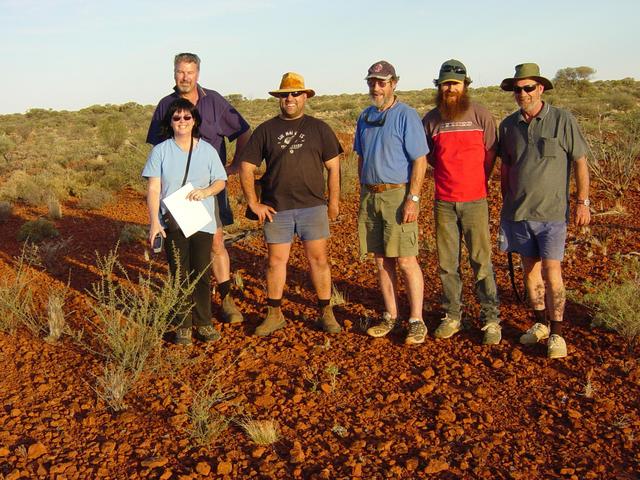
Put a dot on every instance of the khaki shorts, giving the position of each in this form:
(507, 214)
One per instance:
(380, 226)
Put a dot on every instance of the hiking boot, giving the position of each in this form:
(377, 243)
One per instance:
(328, 321)
(230, 312)
(272, 322)
(206, 333)
(417, 332)
(538, 332)
(447, 328)
(556, 347)
(384, 326)
(182, 336)
(492, 333)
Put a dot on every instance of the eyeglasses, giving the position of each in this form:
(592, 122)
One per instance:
(379, 122)
(177, 118)
(453, 68)
(526, 88)
(286, 94)
(372, 82)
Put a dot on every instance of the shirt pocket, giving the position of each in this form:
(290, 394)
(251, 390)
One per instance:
(549, 147)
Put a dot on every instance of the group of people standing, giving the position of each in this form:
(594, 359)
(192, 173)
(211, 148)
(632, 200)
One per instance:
(539, 145)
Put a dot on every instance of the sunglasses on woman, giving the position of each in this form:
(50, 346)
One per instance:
(177, 118)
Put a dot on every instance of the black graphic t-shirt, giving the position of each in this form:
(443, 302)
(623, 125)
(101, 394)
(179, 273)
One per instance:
(295, 152)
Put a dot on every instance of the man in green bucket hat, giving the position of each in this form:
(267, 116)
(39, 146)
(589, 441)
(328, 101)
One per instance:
(539, 145)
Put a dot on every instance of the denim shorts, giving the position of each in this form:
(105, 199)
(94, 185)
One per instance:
(308, 223)
(531, 239)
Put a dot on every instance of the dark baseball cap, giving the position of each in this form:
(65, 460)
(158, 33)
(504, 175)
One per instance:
(382, 70)
(452, 71)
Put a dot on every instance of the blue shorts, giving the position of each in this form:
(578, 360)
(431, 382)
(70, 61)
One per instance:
(308, 223)
(543, 240)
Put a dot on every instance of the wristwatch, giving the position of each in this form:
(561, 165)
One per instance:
(414, 198)
(586, 202)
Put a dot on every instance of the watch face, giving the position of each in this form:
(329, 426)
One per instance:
(415, 198)
(585, 202)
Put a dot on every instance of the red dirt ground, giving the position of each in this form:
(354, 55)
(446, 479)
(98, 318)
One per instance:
(450, 409)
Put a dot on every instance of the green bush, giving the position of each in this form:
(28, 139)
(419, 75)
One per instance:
(37, 230)
(112, 132)
(616, 303)
(94, 198)
(132, 232)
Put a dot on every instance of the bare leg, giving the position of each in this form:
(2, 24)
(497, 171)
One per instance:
(220, 263)
(534, 282)
(316, 251)
(414, 282)
(388, 281)
(277, 258)
(554, 288)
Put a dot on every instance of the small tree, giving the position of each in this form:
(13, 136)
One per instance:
(574, 75)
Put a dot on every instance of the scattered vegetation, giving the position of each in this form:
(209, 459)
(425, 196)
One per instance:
(16, 299)
(337, 297)
(54, 208)
(94, 198)
(207, 424)
(132, 233)
(55, 315)
(131, 320)
(5, 211)
(616, 302)
(261, 432)
(36, 231)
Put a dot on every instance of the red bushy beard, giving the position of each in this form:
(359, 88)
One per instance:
(452, 105)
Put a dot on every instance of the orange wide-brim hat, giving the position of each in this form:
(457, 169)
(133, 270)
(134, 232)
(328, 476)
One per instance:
(292, 82)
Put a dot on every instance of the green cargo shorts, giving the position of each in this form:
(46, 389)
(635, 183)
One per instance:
(380, 226)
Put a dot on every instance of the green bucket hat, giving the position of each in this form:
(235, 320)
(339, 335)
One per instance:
(526, 70)
(452, 71)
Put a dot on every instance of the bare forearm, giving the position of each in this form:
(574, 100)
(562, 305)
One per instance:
(247, 181)
(582, 178)
(216, 187)
(417, 175)
(241, 142)
(489, 163)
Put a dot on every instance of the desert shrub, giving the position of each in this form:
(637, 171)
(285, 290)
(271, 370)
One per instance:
(261, 432)
(616, 302)
(132, 232)
(94, 198)
(22, 186)
(55, 315)
(112, 132)
(16, 299)
(131, 320)
(48, 255)
(54, 208)
(37, 230)
(205, 423)
(349, 174)
(614, 156)
(621, 101)
(5, 211)
(6, 146)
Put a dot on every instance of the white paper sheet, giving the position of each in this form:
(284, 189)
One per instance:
(190, 215)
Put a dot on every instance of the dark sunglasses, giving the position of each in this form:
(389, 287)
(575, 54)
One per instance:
(453, 68)
(526, 88)
(286, 94)
(177, 118)
(372, 82)
(379, 122)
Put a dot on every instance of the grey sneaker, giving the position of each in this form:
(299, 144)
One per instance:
(492, 333)
(230, 312)
(384, 326)
(447, 328)
(182, 336)
(206, 333)
(272, 322)
(417, 332)
(556, 347)
(538, 332)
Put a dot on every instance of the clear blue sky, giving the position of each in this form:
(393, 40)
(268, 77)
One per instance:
(69, 54)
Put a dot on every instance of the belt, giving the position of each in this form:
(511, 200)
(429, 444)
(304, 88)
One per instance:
(383, 187)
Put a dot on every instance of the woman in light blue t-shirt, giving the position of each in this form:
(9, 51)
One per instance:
(184, 152)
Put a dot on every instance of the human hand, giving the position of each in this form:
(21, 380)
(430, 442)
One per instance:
(263, 211)
(333, 211)
(197, 194)
(409, 211)
(582, 215)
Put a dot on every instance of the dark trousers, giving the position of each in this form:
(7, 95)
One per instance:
(194, 255)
